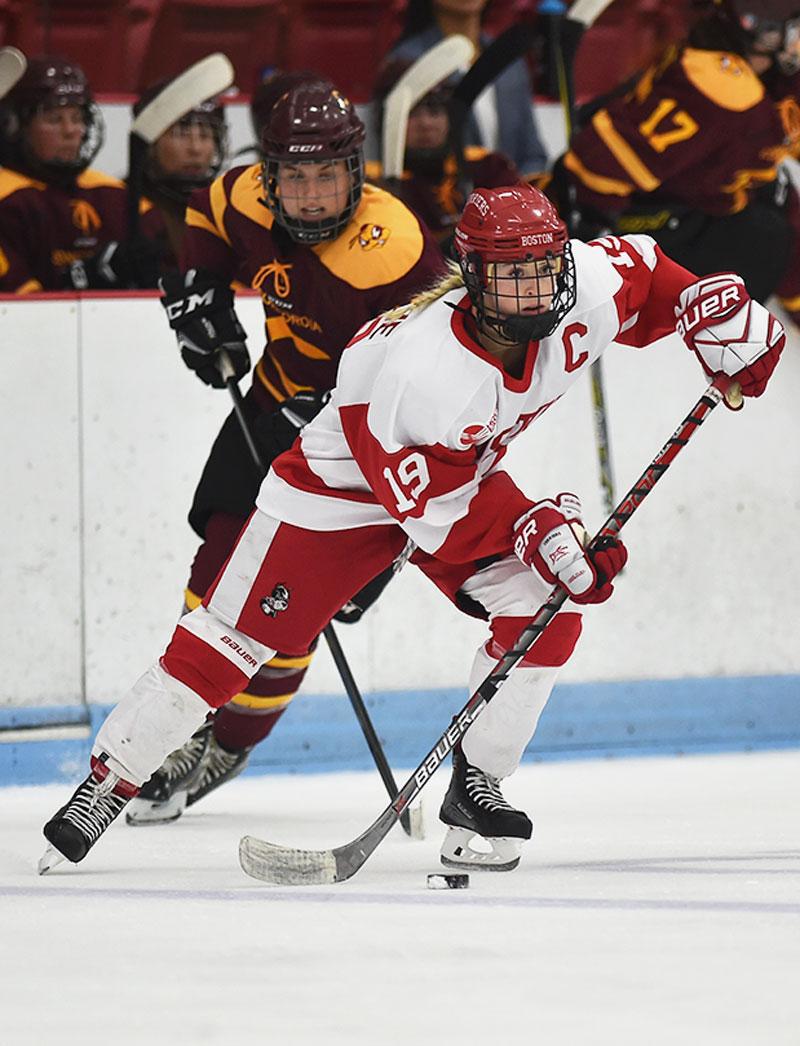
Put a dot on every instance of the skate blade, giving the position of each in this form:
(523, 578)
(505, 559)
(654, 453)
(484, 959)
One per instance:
(49, 859)
(457, 851)
(148, 811)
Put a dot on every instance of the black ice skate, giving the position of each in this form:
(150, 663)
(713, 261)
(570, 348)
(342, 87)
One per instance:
(219, 766)
(165, 796)
(74, 830)
(474, 806)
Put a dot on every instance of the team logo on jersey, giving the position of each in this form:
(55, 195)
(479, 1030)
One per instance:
(84, 216)
(471, 435)
(280, 274)
(277, 601)
(369, 237)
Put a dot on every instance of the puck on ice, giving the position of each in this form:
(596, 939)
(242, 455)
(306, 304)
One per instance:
(457, 881)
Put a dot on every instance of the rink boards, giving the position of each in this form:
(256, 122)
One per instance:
(106, 433)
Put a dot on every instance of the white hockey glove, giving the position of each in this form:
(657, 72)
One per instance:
(549, 538)
(729, 332)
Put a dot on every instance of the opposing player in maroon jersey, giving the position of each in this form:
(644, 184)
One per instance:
(692, 153)
(186, 157)
(54, 209)
(327, 252)
(431, 183)
(393, 456)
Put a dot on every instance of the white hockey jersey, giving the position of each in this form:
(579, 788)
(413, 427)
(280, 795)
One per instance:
(421, 414)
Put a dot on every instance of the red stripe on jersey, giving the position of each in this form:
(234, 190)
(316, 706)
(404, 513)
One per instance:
(406, 480)
(648, 294)
(403, 489)
(196, 664)
(292, 467)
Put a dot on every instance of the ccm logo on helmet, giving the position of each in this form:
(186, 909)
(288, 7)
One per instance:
(536, 239)
(304, 148)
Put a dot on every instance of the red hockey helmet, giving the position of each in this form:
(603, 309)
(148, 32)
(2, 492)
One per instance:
(309, 124)
(516, 260)
(50, 82)
(209, 115)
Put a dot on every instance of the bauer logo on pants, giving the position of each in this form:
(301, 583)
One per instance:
(277, 601)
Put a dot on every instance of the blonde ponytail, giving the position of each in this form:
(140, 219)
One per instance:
(423, 299)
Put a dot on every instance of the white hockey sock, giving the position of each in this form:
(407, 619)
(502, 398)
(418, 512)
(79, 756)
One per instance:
(496, 741)
(153, 719)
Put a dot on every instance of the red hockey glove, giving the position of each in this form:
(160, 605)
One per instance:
(729, 332)
(547, 539)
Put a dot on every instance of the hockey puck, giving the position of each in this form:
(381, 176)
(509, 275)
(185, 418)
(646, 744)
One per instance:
(459, 881)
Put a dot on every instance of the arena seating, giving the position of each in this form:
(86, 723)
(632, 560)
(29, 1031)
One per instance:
(126, 45)
(249, 32)
(107, 37)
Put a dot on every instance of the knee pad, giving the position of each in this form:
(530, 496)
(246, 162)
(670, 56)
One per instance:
(551, 650)
(213, 659)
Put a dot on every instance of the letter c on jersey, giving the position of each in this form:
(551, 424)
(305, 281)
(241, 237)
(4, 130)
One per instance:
(571, 360)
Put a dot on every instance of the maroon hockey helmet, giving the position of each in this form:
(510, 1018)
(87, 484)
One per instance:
(268, 90)
(516, 224)
(177, 188)
(311, 123)
(49, 82)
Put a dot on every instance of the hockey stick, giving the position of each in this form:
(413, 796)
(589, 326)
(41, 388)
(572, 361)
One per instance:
(284, 865)
(410, 819)
(445, 58)
(201, 81)
(566, 30)
(512, 44)
(12, 66)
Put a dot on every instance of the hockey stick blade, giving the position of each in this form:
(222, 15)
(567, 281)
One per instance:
(283, 865)
(445, 58)
(12, 66)
(201, 81)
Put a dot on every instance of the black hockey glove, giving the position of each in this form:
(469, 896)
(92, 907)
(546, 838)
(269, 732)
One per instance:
(124, 265)
(200, 310)
(277, 431)
(354, 609)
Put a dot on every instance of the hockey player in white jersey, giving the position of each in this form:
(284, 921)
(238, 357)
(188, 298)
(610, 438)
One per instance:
(410, 446)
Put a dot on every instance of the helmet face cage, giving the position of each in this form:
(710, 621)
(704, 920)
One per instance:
(312, 126)
(499, 298)
(178, 188)
(302, 230)
(51, 84)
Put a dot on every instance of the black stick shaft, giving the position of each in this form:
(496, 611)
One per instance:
(338, 655)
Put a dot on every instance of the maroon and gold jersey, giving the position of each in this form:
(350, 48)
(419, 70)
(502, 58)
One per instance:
(439, 201)
(700, 128)
(315, 297)
(45, 227)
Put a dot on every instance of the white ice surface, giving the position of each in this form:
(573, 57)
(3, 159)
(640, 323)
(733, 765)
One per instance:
(658, 903)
